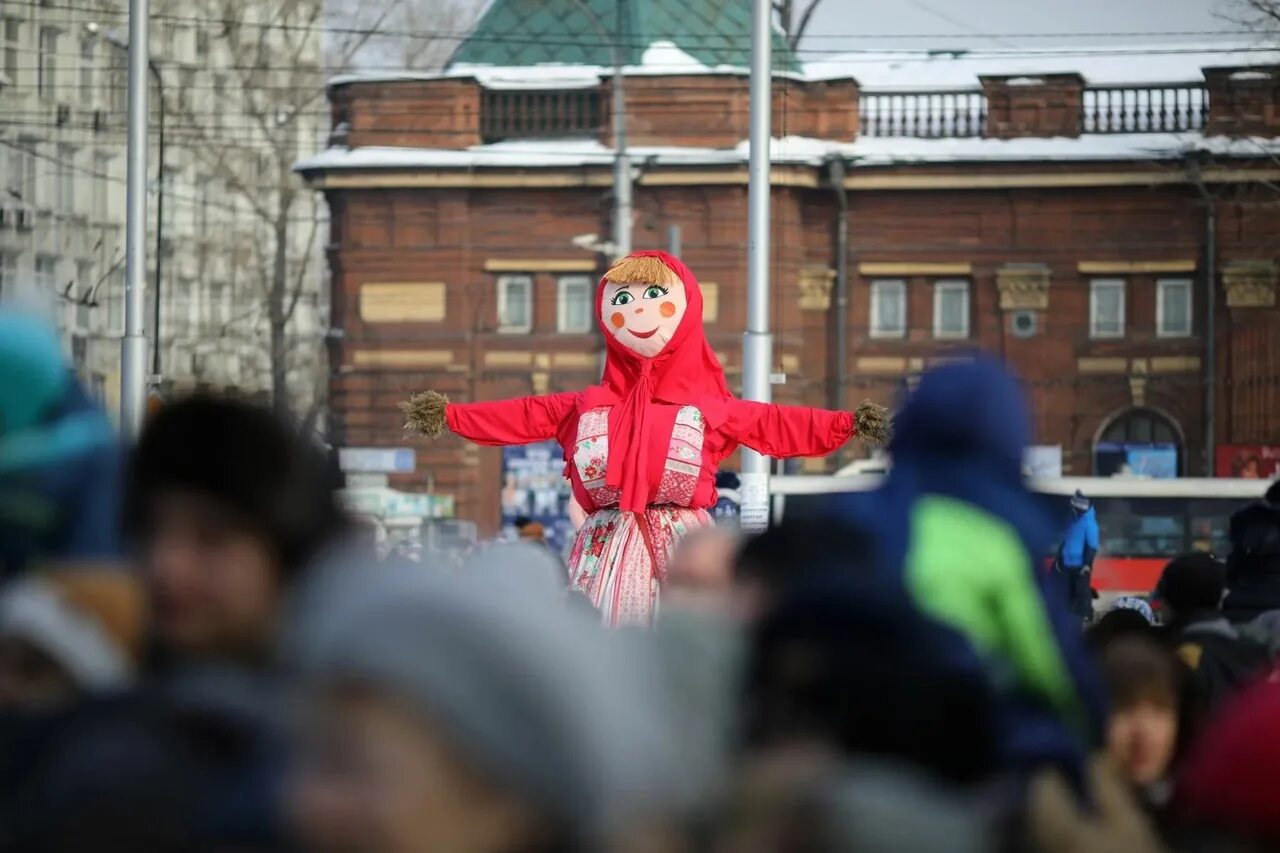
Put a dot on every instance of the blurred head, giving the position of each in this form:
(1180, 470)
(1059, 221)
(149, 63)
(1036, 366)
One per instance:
(768, 564)
(700, 574)
(1142, 730)
(533, 532)
(851, 664)
(1079, 503)
(973, 410)
(225, 505)
(65, 634)
(1192, 582)
(447, 713)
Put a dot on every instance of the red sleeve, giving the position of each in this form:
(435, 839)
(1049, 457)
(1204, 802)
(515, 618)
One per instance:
(519, 421)
(787, 431)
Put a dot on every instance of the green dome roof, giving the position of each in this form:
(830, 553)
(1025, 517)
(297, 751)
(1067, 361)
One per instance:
(534, 32)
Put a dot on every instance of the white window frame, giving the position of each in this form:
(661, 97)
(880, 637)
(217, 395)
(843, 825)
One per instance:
(65, 180)
(562, 304)
(940, 288)
(88, 59)
(503, 282)
(12, 38)
(1162, 289)
(873, 325)
(47, 62)
(1095, 287)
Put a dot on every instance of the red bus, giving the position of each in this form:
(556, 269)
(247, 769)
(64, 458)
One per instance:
(1142, 524)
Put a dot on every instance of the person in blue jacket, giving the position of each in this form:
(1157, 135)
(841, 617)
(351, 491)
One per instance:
(1075, 556)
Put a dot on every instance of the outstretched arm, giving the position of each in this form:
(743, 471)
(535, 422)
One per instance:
(787, 431)
(517, 421)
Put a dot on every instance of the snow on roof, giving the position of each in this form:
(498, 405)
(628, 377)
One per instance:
(1139, 64)
(793, 150)
(888, 70)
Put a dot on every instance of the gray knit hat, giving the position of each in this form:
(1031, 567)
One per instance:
(535, 694)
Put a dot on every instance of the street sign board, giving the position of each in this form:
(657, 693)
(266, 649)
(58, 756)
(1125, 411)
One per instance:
(366, 481)
(377, 460)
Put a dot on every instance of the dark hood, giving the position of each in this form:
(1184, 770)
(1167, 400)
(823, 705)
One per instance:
(967, 411)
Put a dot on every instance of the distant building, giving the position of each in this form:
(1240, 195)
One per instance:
(62, 198)
(1056, 208)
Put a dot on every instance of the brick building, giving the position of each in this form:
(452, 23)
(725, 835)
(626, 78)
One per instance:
(1074, 211)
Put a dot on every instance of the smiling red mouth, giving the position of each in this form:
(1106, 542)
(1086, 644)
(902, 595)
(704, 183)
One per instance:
(648, 334)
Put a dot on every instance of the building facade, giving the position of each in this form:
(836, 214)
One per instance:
(1081, 214)
(62, 196)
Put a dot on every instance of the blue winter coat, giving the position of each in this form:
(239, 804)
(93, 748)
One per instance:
(1081, 536)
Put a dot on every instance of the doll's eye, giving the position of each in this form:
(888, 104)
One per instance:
(622, 297)
(655, 291)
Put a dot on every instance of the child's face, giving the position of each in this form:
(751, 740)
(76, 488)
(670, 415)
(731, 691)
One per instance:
(1141, 739)
(643, 317)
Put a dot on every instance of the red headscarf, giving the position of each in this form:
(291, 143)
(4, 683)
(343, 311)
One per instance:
(686, 372)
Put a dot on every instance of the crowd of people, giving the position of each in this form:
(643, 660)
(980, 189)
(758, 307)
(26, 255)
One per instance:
(200, 652)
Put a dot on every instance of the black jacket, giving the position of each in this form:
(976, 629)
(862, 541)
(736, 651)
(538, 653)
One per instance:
(1221, 660)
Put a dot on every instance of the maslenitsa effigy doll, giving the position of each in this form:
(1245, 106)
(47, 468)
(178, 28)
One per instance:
(642, 447)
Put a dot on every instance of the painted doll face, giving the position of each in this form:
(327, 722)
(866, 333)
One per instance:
(643, 317)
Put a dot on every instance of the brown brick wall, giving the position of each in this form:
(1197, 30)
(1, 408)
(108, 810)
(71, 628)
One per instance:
(422, 114)
(1244, 101)
(1034, 105)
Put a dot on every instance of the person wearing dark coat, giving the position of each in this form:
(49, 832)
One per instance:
(1220, 658)
(1253, 568)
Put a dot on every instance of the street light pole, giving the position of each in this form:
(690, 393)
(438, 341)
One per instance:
(622, 160)
(618, 112)
(160, 176)
(133, 348)
(757, 343)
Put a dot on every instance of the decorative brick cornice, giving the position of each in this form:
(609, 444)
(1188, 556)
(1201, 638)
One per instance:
(1250, 284)
(1023, 287)
(815, 287)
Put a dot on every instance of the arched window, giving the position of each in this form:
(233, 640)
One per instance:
(1139, 441)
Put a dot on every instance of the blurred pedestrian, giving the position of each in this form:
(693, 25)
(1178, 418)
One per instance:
(955, 524)
(1221, 659)
(442, 716)
(225, 507)
(65, 634)
(1144, 684)
(1228, 794)
(700, 574)
(1253, 565)
(59, 458)
(1074, 563)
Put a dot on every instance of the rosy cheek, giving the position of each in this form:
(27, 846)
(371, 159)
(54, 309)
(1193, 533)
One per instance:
(617, 320)
(667, 309)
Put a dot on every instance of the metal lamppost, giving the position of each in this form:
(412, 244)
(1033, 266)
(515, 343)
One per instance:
(757, 343)
(621, 160)
(133, 313)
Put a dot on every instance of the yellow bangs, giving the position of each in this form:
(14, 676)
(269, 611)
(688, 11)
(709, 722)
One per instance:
(641, 270)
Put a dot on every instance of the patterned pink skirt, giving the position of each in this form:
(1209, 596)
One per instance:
(611, 561)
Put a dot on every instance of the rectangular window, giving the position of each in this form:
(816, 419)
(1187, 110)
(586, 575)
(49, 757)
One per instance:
(113, 287)
(101, 187)
(8, 273)
(65, 180)
(47, 63)
(951, 309)
(98, 388)
(1106, 308)
(12, 35)
(1173, 307)
(218, 305)
(82, 291)
(118, 87)
(888, 308)
(573, 305)
(202, 44)
(87, 48)
(515, 303)
(46, 274)
(22, 170)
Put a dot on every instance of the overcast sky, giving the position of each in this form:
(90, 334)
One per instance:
(861, 24)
